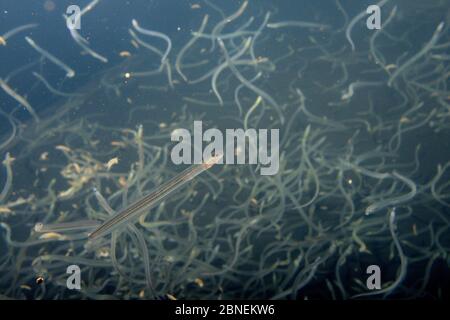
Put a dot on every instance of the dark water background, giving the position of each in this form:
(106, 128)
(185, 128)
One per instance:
(106, 28)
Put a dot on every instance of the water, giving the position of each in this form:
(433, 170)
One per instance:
(357, 128)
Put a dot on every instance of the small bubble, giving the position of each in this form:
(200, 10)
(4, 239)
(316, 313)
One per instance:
(40, 280)
(49, 5)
